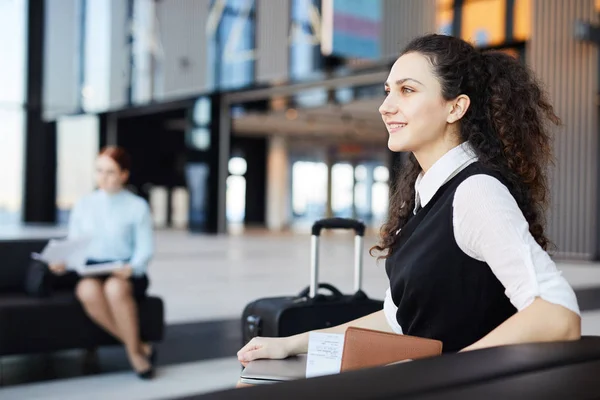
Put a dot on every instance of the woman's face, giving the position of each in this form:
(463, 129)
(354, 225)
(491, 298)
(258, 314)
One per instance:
(414, 111)
(109, 176)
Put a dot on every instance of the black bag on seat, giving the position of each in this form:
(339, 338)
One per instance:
(38, 279)
(310, 310)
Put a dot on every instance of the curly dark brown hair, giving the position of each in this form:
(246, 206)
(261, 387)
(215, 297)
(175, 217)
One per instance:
(507, 124)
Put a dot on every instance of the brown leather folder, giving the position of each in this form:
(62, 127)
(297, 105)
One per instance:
(364, 348)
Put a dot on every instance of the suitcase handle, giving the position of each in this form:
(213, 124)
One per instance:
(336, 223)
(334, 291)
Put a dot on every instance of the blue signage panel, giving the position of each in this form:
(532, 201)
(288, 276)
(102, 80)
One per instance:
(357, 28)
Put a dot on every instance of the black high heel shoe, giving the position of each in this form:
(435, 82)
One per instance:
(147, 374)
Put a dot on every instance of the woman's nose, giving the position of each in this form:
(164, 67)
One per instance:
(387, 107)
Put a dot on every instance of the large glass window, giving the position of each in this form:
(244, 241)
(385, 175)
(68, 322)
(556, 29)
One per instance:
(96, 63)
(146, 47)
(309, 190)
(342, 182)
(13, 58)
(305, 50)
(233, 54)
(87, 59)
(12, 51)
(305, 53)
(11, 164)
(63, 57)
(380, 194)
(77, 147)
(361, 192)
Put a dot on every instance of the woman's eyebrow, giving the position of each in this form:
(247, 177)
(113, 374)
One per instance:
(403, 80)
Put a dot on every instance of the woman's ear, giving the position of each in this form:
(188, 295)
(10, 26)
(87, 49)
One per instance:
(458, 108)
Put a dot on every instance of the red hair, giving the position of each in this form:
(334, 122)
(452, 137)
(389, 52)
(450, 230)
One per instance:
(119, 155)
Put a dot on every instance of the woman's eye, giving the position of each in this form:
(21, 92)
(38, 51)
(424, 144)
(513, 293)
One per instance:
(387, 91)
(407, 90)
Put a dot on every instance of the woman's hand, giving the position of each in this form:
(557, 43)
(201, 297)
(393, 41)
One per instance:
(57, 268)
(278, 348)
(261, 347)
(124, 272)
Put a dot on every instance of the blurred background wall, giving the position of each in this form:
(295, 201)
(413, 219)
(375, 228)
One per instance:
(260, 113)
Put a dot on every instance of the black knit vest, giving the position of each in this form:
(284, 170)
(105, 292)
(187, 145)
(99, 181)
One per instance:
(441, 292)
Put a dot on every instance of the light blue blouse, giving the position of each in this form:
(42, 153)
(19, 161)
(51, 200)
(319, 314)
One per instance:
(119, 225)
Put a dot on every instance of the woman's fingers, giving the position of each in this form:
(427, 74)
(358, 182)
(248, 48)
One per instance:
(57, 268)
(254, 354)
(262, 348)
(251, 345)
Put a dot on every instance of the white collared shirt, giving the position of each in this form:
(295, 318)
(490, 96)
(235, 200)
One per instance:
(490, 227)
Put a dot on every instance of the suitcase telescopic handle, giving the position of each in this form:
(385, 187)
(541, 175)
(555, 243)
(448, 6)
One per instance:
(336, 223)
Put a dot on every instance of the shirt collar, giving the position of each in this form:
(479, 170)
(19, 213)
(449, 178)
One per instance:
(441, 172)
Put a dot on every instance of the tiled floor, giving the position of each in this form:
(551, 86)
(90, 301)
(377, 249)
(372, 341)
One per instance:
(172, 381)
(207, 277)
(204, 278)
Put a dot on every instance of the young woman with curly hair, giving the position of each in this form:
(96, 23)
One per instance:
(464, 243)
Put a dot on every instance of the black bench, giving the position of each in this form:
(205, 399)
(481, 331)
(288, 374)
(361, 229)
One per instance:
(560, 370)
(40, 325)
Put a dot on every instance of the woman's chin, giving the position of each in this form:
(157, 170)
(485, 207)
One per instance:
(397, 146)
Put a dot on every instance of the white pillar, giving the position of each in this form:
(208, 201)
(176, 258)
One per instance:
(278, 184)
(158, 205)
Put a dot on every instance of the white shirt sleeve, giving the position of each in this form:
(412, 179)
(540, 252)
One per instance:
(390, 309)
(489, 226)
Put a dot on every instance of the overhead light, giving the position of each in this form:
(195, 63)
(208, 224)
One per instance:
(278, 103)
(291, 114)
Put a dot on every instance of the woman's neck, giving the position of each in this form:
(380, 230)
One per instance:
(111, 192)
(427, 157)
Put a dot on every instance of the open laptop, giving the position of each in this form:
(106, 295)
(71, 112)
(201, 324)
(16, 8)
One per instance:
(260, 372)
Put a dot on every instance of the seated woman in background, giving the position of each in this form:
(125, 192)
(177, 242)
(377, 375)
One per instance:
(119, 224)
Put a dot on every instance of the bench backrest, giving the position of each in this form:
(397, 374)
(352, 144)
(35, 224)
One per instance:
(14, 261)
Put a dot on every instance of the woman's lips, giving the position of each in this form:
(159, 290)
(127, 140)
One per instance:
(395, 126)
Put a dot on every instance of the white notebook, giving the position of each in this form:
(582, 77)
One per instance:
(98, 269)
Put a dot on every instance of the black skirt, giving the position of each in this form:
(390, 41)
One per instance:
(70, 279)
(139, 284)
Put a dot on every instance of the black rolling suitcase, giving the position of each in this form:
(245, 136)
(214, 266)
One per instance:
(309, 310)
